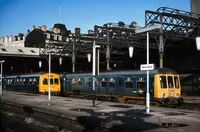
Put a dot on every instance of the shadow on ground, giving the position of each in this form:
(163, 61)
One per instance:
(117, 121)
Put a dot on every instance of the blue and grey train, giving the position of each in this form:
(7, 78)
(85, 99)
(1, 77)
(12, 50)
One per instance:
(125, 86)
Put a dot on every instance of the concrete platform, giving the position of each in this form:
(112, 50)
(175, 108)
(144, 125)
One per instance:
(106, 116)
(192, 99)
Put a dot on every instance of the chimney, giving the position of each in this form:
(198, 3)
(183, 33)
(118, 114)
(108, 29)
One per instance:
(39, 27)
(10, 38)
(6, 38)
(44, 28)
(33, 27)
(51, 29)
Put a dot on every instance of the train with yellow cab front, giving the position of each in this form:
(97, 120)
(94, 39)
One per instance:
(33, 83)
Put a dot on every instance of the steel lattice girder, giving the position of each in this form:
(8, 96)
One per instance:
(175, 23)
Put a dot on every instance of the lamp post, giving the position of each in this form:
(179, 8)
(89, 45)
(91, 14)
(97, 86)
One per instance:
(198, 43)
(95, 67)
(147, 30)
(49, 89)
(1, 76)
(131, 49)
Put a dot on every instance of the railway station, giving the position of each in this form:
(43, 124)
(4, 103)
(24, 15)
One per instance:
(116, 77)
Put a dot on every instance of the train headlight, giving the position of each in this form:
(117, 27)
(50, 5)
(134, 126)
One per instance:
(177, 94)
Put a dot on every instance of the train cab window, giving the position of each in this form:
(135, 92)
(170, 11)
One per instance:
(56, 81)
(170, 82)
(111, 83)
(128, 83)
(163, 82)
(51, 80)
(45, 81)
(176, 82)
(103, 83)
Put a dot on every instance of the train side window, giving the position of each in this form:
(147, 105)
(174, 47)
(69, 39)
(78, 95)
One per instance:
(76, 82)
(7, 81)
(79, 82)
(103, 83)
(170, 82)
(73, 82)
(56, 81)
(96, 83)
(30, 81)
(141, 83)
(128, 83)
(176, 82)
(163, 82)
(44, 81)
(11, 81)
(90, 84)
(111, 83)
(34, 81)
(24, 81)
(21, 82)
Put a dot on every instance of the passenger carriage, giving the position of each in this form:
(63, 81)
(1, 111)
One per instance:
(126, 86)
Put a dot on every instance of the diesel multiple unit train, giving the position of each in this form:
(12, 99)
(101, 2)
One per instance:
(119, 86)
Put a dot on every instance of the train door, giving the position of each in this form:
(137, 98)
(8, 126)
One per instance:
(160, 86)
(128, 86)
(112, 81)
(103, 85)
(141, 86)
(170, 84)
(177, 89)
(63, 85)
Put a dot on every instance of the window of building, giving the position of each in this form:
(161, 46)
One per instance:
(48, 35)
(32, 51)
(60, 38)
(20, 50)
(55, 37)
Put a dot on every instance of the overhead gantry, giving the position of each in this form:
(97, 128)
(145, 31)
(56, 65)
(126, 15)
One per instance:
(116, 38)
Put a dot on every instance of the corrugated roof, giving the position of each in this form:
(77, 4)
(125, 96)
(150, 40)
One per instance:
(18, 51)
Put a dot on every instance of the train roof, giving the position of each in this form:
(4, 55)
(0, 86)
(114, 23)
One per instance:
(130, 72)
(26, 75)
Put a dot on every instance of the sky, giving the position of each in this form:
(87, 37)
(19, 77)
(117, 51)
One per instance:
(16, 16)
